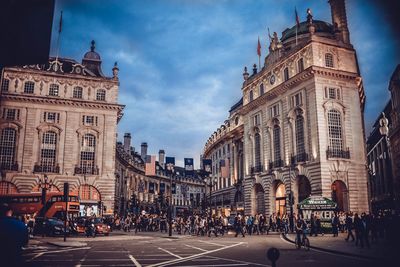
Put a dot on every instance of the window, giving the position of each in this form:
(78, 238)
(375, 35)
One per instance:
(329, 60)
(261, 89)
(7, 148)
(88, 149)
(257, 151)
(296, 100)
(10, 114)
(335, 131)
(5, 84)
(299, 126)
(89, 120)
(300, 65)
(77, 93)
(332, 93)
(54, 89)
(286, 74)
(251, 95)
(101, 95)
(29, 87)
(51, 117)
(8, 188)
(48, 151)
(274, 111)
(256, 120)
(277, 143)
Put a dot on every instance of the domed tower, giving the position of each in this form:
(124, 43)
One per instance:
(339, 20)
(92, 61)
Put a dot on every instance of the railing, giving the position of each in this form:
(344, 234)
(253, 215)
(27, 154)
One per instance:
(9, 166)
(302, 157)
(344, 154)
(46, 168)
(86, 170)
(257, 168)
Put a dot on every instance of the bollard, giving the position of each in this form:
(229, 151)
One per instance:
(273, 255)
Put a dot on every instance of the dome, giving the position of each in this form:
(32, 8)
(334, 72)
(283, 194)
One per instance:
(320, 26)
(92, 55)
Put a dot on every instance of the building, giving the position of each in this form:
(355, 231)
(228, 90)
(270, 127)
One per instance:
(380, 182)
(135, 191)
(59, 120)
(302, 115)
(225, 147)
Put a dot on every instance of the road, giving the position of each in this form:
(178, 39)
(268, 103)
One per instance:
(153, 250)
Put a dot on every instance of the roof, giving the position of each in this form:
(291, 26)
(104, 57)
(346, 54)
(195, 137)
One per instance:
(320, 26)
(237, 104)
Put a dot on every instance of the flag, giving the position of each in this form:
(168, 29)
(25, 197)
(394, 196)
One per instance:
(297, 18)
(224, 165)
(60, 24)
(170, 164)
(259, 47)
(207, 163)
(150, 167)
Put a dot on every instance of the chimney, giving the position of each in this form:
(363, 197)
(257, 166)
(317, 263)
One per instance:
(161, 157)
(339, 20)
(127, 142)
(143, 152)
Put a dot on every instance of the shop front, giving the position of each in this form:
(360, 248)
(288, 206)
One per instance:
(321, 207)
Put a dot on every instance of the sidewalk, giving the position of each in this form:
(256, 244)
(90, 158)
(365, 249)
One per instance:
(338, 245)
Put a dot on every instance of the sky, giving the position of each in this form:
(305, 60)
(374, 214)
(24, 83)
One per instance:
(181, 61)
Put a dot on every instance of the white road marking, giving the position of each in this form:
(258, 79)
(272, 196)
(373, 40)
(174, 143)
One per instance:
(203, 265)
(137, 264)
(170, 262)
(239, 261)
(195, 247)
(36, 256)
(212, 243)
(170, 253)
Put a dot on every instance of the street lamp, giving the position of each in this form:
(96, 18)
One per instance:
(170, 168)
(210, 182)
(45, 184)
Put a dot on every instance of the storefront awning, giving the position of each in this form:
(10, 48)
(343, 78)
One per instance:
(317, 203)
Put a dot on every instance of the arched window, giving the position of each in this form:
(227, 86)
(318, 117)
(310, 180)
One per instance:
(251, 96)
(261, 89)
(5, 84)
(7, 149)
(286, 74)
(29, 87)
(88, 150)
(7, 188)
(277, 145)
(335, 133)
(53, 89)
(101, 95)
(329, 60)
(300, 145)
(78, 92)
(48, 152)
(300, 65)
(257, 152)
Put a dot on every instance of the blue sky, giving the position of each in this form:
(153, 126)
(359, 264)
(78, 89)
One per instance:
(181, 61)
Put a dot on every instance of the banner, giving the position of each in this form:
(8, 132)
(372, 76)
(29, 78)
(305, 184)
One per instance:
(224, 165)
(207, 165)
(170, 164)
(150, 167)
(151, 188)
(189, 166)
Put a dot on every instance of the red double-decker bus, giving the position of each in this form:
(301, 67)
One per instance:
(31, 203)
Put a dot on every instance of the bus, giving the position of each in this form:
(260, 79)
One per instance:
(31, 203)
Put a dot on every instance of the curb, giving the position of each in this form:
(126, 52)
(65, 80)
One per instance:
(336, 251)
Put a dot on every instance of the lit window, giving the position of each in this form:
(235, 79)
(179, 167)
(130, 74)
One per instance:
(7, 148)
(5, 84)
(300, 65)
(329, 60)
(77, 93)
(53, 90)
(29, 87)
(101, 95)
(286, 74)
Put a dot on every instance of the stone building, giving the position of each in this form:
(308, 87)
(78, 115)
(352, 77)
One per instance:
(59, 120)
(302, 115)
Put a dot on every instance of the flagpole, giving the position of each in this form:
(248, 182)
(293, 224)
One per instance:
(58, 38)
(296, 34)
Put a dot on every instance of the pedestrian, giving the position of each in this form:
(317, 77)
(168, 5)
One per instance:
(349, 227)
(335, 225)
(238, 225)
(312, 224)
(358, 230)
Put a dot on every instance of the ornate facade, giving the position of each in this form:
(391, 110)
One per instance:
(60, 120)
(302, 116)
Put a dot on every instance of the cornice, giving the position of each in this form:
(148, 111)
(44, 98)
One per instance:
(60, 101)
(229, 135)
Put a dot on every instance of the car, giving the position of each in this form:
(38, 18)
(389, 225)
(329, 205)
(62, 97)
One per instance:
(79, 225)
(49, 227)
(101, 227)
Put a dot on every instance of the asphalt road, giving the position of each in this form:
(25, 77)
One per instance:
(134, 250)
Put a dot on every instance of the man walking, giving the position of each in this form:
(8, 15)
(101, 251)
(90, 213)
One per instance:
(349, 227)
(238, 225)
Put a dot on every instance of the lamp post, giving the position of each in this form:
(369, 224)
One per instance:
(170, 168)
(210, 182)
(45, 184)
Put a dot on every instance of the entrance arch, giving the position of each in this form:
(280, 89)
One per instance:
(301, 190)
(280, 199)
(340, 195)
(258, 199)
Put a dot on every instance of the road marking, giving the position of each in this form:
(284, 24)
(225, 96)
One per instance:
(36, 256)
(170, 253)
(137, 264)
(239, 261)
(170, 262)
(203, 265)
(195, 247)
(212, 243)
